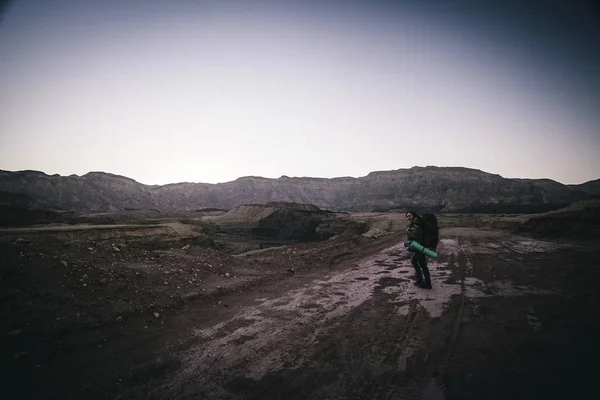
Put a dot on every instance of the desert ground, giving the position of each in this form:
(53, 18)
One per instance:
(193, 306)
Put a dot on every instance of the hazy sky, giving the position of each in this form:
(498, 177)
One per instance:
(208, 91)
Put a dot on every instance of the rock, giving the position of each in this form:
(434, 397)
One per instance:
(156, 315)
(65, 263)
(191, 295)
(375, 233)
(187, 246)
(227, 275)
(116, 249)
(291, 271)
(90, 249)
(119, 320)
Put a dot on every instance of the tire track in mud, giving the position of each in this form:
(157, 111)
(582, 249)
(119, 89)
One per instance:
(285, 348)
(425, 384)
(460, 262)
(395, 384)
(281, 333)
(354, 333)
(466, 269)
(457, 254)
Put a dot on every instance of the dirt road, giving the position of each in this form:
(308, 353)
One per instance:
(509, 317)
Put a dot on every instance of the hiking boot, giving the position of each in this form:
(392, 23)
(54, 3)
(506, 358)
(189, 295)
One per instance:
(424, 285)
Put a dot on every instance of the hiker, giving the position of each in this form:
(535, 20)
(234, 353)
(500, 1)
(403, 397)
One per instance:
(424, 231)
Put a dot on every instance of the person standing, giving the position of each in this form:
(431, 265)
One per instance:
(416, 232)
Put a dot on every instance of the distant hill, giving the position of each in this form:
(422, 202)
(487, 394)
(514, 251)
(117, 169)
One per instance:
(591, 187)
(448, 189)
(580, 220)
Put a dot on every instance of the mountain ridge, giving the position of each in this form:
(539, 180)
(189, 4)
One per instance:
(449, 189)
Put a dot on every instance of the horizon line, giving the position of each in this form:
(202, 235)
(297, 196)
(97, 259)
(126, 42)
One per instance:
(290, 177)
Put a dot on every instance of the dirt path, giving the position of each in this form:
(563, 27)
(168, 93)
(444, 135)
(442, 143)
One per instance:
(508, 318)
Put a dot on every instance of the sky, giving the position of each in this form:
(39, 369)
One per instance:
(209, 91)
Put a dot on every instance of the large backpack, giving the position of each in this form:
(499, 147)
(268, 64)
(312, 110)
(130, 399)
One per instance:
(431, 231)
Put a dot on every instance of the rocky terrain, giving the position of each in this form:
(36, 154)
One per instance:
(272, 301)
(289, 300)
(68, 288)
(421, 188)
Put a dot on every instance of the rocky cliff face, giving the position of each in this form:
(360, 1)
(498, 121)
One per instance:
(96, 191)
(419, 188)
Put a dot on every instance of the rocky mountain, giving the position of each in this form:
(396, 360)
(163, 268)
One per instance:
(591, 188)
(95, 191)
(448, 189)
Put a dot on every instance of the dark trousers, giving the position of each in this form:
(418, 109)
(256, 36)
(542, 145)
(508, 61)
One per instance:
(420, 264)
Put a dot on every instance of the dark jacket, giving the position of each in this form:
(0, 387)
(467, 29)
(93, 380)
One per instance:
(415, 231)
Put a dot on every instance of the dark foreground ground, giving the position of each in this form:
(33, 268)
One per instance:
(509, 317)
